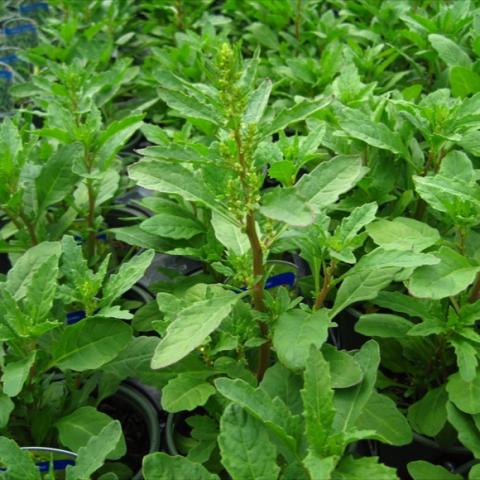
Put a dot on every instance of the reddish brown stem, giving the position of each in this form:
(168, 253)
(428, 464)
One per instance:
(322, 294)
(475, 293)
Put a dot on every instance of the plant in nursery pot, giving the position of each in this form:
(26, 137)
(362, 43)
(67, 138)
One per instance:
(58, 379)
(210, 331)
(429, 339)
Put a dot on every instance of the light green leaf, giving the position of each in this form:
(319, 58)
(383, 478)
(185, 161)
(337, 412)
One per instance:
(76, 429)
(344, 370)
(349, 402)
(467, 360)
(319, 413)
(6, 408)
(173, 225)
(15, 374)
(57, 179)
(128, 274)
(429, 414)
(191, 327)
(381, 415)
(230, 235)
(246, 450)
(160, 466)
(326, 182)
(166, 177)
(186, 392)
(257, 103)
(319, 468)
(403, 234)
(463, 81)
(358, 218)
(468, 433)
(381, 258)
(111, 140)
(295, 331)
(189, 106)
(295, 114)
(362, 285)
(449, 51)
(286, 205)
(19, 463)
(383, 325)
(20, 276)
(451, 276)
(92, 456)
(89, 344)
(364, 468)
(272, 413)
(359, 125)
(465, 395)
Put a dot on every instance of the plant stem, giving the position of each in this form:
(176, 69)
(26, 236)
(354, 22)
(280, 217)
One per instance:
(257, 260)
(298, 19)
(327, 283)
(475, 293)
(30, 228)
(91, 239)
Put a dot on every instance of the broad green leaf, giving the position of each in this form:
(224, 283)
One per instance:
(381, 415)
(90, 343)
(286, 205)
(474, 473)
(360, 126)
(383, 325)
(326, 182)
(449, 51)
(403, 234)
(349, 402)
(358, 218)
(272, 413)
(257, 103)
(344, 370)
(166, 177)
(363, 285)
(41, 290)
(111, 140)
(174, 226)
(230, 235)
(364, 468)
(186, 392)
(191, 327)
(319, 413)
(6, 408)
(422, 470)
(468, 433)
(451, 276)
(160, 466)
(128, 274)
(20, 464)
(246, 450)
(57, 179)
(295, 331)
(429, 414)
(467, 360)
(465, 395)
(319, 468)
(281, 382)
(76, 429)
(189, 106)
(463, 81)
(92, 456)
(295, 114)
(134, 360)
(20, 276)
(15, 374)
(381, 258)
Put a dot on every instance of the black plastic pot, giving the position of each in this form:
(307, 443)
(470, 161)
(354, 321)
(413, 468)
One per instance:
(137, 410)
